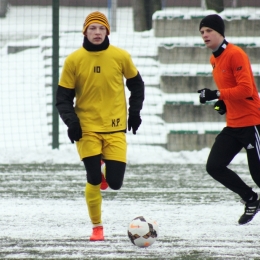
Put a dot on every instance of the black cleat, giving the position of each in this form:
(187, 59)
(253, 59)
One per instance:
(250, 211)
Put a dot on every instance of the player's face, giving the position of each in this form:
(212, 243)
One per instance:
(96, 33)
(211, 38)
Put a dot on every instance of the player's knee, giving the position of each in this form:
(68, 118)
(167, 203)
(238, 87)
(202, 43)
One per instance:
(115, 185)
(94, 180)
(115, 174)
(213, 168)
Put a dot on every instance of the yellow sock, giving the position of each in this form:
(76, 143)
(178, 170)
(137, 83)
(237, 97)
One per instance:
(94, 201)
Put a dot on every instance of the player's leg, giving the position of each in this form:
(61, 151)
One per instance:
(252, 146)
(93, 195)
(89, 148)
(226, 146)
(115, 174)
(104, 184)
(114, 153)
(224, 149)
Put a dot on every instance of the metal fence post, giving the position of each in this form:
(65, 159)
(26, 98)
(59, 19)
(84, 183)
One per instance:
(55, 72)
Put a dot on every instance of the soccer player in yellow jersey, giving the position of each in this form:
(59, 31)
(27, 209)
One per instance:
(94, 75)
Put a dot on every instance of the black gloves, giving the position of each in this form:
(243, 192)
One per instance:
(75, 132)
(207, 95)
(134, 122)
(220, 107)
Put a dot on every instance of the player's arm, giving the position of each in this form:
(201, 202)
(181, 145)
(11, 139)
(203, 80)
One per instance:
(136, 88)
(241, 87)
(65, 105)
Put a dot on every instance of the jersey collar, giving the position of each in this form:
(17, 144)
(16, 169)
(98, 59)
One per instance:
(92, 47)
(221, 48)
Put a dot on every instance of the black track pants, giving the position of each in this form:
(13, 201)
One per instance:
(227, 145)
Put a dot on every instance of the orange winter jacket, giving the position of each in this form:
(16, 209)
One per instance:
(234, 78)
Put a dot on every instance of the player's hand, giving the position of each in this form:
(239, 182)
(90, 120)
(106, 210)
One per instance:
(207, 95)
(74, 132)
(133, 123)
(220, 107)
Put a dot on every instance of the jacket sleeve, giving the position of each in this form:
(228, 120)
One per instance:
(65, 105)
(136, 88)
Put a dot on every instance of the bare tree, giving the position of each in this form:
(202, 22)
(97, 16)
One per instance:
(143, 11)
(3, 8)
(217, 5)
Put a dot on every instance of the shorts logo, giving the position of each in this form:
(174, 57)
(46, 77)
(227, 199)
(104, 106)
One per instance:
(115, 122)
(97, 69)
(250, 146)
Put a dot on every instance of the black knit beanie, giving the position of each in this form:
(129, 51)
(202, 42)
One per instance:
(214, 22)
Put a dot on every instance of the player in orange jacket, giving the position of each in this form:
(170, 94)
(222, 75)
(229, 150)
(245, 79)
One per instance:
(238, 97)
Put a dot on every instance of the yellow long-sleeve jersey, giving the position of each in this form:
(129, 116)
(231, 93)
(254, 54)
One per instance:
(98, 80)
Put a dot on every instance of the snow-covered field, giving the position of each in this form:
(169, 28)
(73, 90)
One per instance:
(44, 216)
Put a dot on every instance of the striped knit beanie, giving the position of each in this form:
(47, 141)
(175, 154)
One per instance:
(96, 17)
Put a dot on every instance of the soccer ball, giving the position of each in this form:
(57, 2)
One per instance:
(142, 231)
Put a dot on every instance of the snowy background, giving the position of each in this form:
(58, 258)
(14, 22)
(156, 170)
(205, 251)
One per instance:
(43, 214)
(24, 135)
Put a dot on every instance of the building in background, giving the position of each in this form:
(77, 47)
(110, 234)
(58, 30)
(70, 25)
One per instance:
(127, 3)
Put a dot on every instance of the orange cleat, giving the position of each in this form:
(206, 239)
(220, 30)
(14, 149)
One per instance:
(104, 184)
(97, 234)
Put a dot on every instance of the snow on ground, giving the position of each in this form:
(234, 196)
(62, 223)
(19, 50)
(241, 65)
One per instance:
(43, 214)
